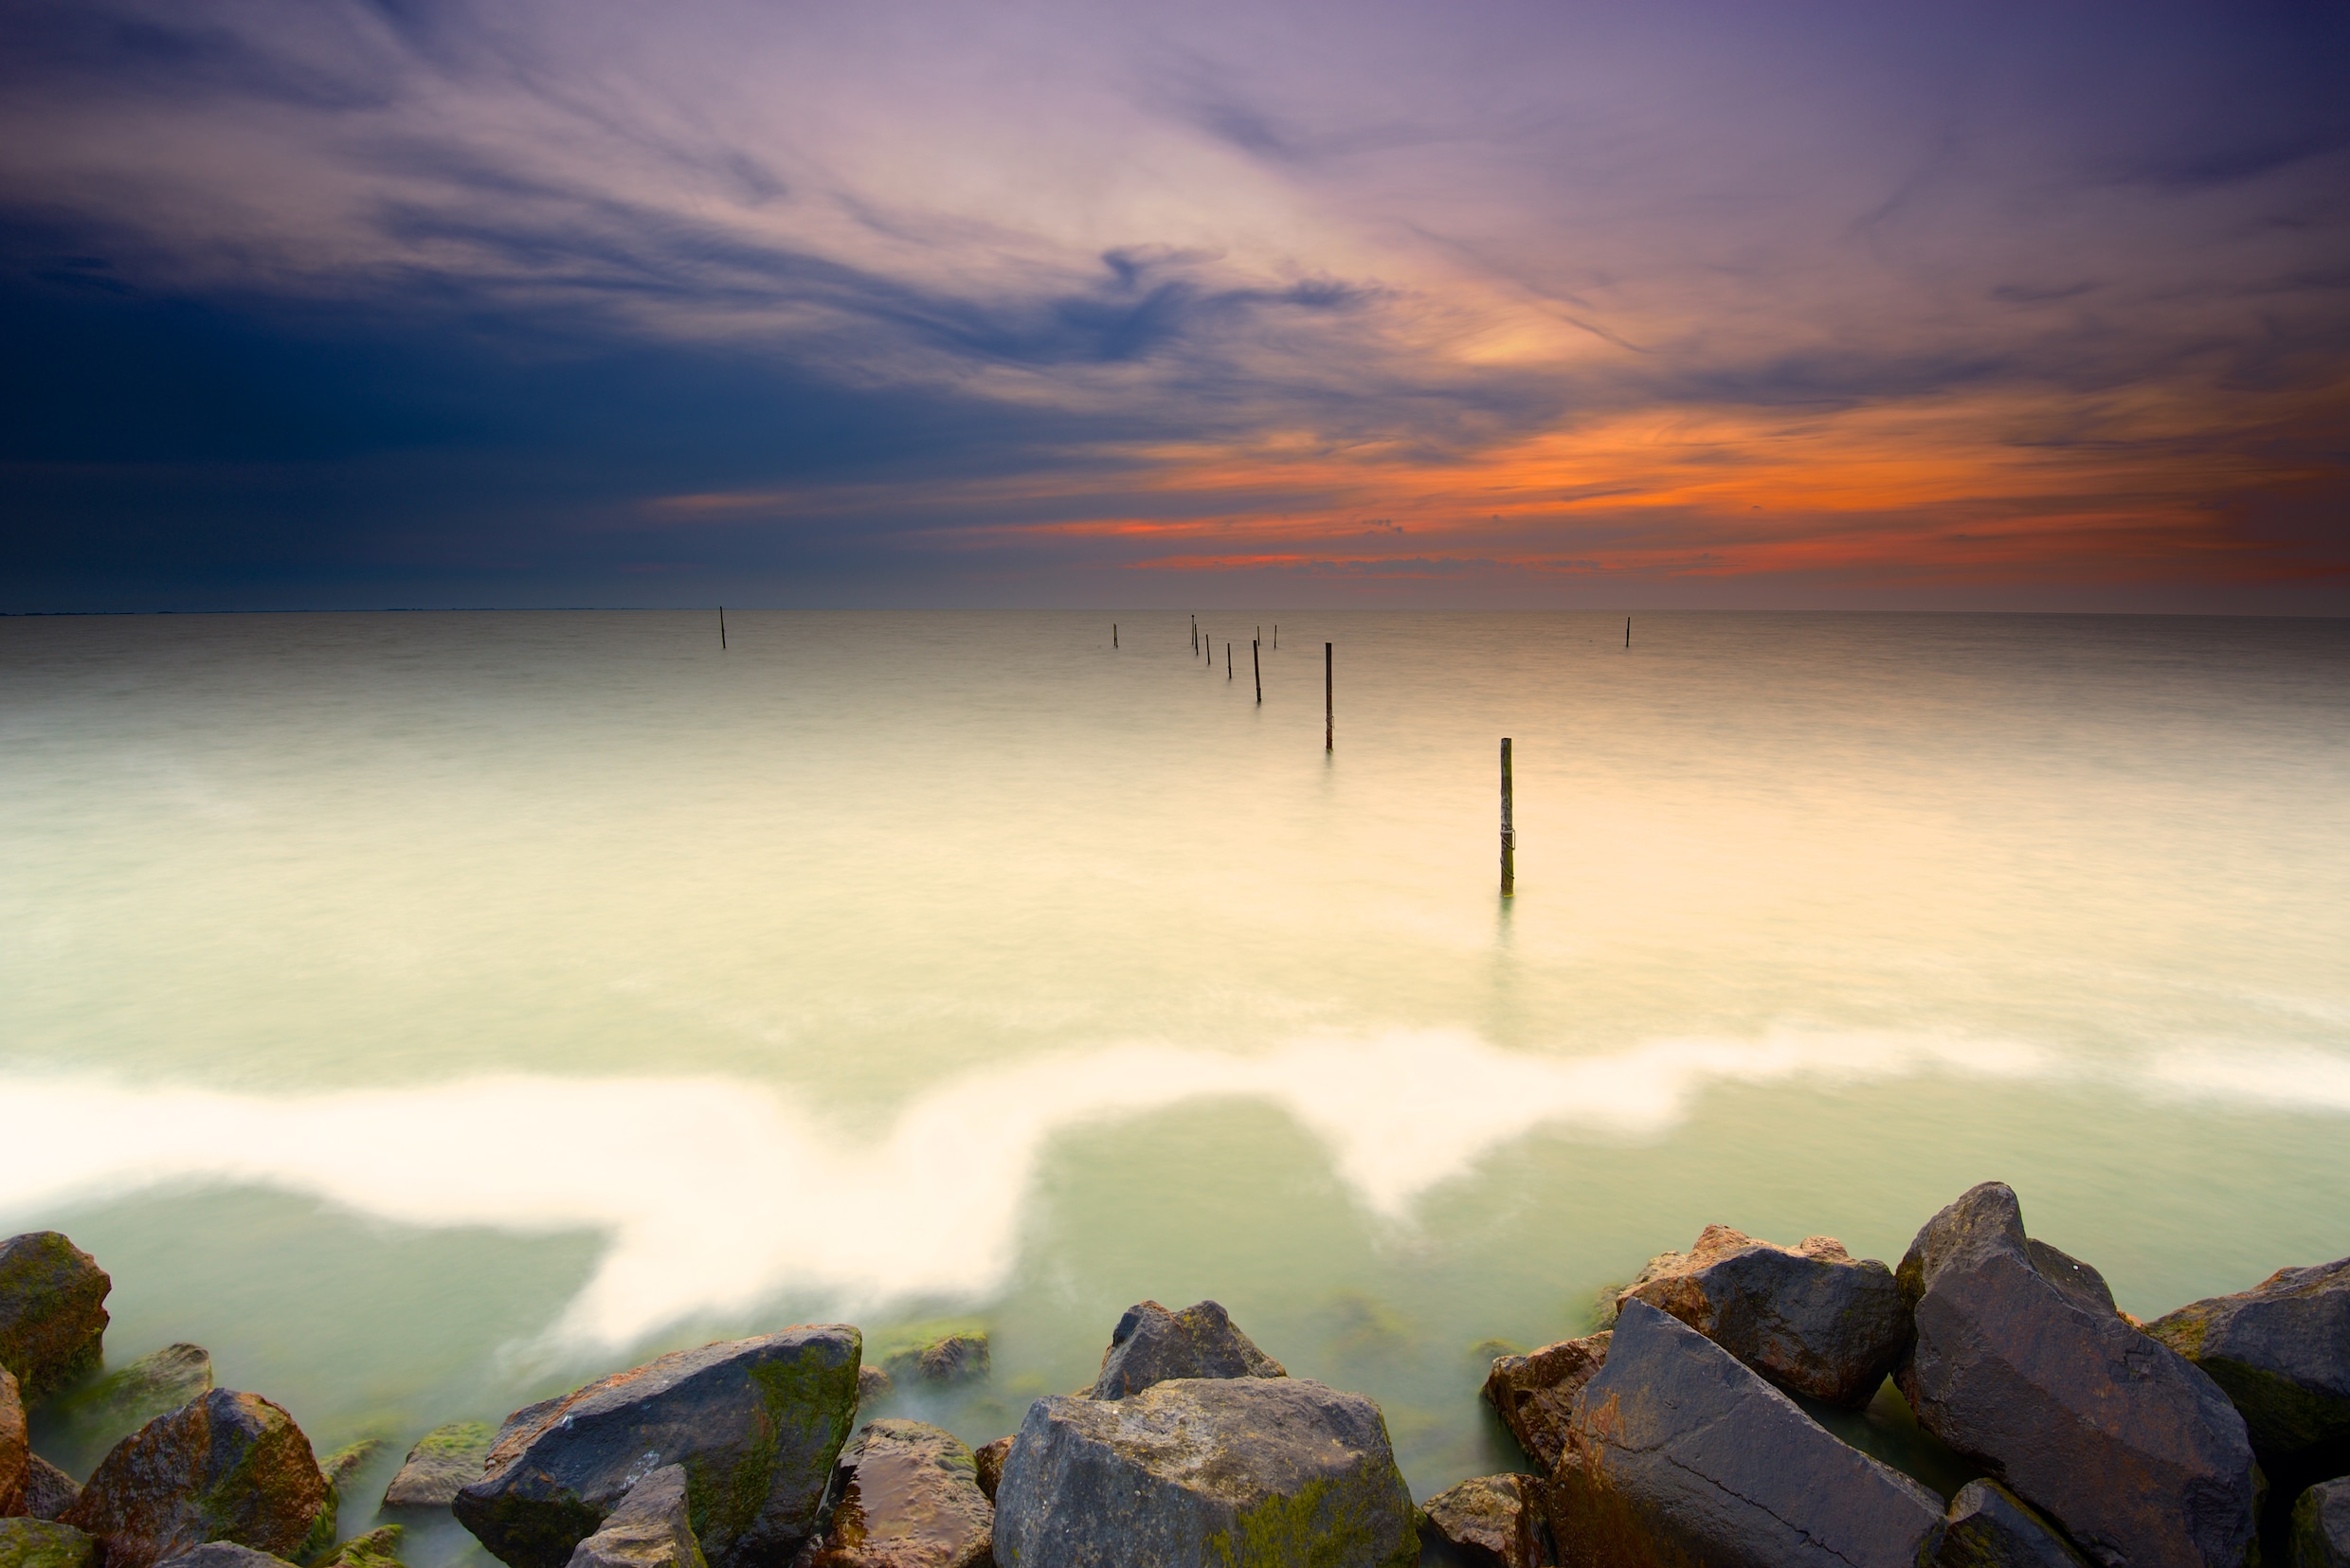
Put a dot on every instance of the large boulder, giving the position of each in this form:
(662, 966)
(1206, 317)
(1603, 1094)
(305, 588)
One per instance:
(41, 1544)
(1534, 1394)
(102, 1410)
(52, 1311)
(49, 1491)
(227, 1467)
(1490, 1521)
(1151, 1345)
(1195, 1472)
(756, 1423)
(1991, 1527)
(2281, 1351)
(906, 1495)
(1810, 1318)
(2322, 1526)
(2023, 1364)
(1679, 1453)
(445, 1461)
(15, 1449)
(651, 1528)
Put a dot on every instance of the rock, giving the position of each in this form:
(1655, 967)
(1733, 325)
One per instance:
(949, 1358)
(49, 1491)
(225, 1554)
(2322, 1526)
(989, 1459)
(1534, 1395)
(1199, 1471)
(227, 1467)
(756, 1423)
(907, 1495)
(41, 1543)
(1678, 1452)
(1493, 1520)
(52, 1311)
(2136, 1456)
(1991, 1527)
(1810, 1318)
(378, 1548)
(343, 1466)
(444, 1462)
(1151, 1345)
(2281, 1351)
(873, 1383)
(15, 1449)
(649, 1529)
(127, 1398)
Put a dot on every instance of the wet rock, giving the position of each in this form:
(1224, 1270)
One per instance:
(650, 1528)
(2322, 1526)
(756, 1423)
(225, 1554)
(227, 1467)
(1679, 1453)
(1810, 1318)
(127, 1398)
(49, 1491)
(2135, 1456)
(906, 1495)
(15, 1449)
(873, 1383)
(1991, 1527)
(988, 1460)
(43, 1544)
(378, 1548)
(343, 1466)
(1199, 1471)
(1491, 1519)
(444, 1462)
(1534, 1394)
(1151, 1345)
(947, 1360)
(52, 1312)
(2281, 1351)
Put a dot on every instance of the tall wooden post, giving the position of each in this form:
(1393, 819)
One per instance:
(1114, 633)
(1227, 661)
(1329, 707)
(1256, 668)
(1627, 631)
(722, 628)
(1509, 829)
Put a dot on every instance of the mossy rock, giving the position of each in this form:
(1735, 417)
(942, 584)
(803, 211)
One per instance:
(15, 1447)
(378, 1548)
(343, 1466)
(2281, 1353)
(941, 1351)
(444, 1462)
(52, 1312)
(43, 1544)
(227, 1467)
(104, 1409)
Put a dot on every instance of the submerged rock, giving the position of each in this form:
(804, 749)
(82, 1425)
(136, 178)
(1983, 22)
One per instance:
(444, 1462)
(127, 1398)
(49, 1491)
(378, 1548)
(1810, 1318)
(1679, 1453)
(873, 1383)
(2281, 1351)
(651, 1528)
(1493, 1520)
(906, 1495)
(944, 1360)
(756, 1423)
(343, 1466)
(988, 1460)
(1151, 1345)
(15, 1449)
(226, 1554)
(227, 1467)
(2134, 1454)
(1202, 1471)
(43, 1544)
(1992, 1527)
(52, 1311)
(1534, 1394)
(2322, 1526)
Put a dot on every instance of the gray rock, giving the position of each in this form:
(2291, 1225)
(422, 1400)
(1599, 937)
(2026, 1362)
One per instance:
(1992, 1527)
(445, 1461)
(2322, 1526)
(378, 1548)
(223, 1554)
(110, 1408)
(2136, 1456)
(1534, 1394)
(2281, 1351)
(906, 1495)
(1206, 1473)
(873, 1383)
(1151, 1345)
(43, 1544)
(49, 1491)
(946, 1361)
(756, 1423)
(1810, 1318)
(52, 1312)
(651, 1528)
(1680, 1452)
(988, 1460)
(227, 1467)
(1493, 1520)
(15, 1449)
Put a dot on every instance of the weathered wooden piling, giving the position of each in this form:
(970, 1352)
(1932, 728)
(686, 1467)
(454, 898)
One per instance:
(1114, 633)
(1627, 631)
(722, 628)
(1330, 706)
(1227, 661)
(1509, 828)
(1256, 668)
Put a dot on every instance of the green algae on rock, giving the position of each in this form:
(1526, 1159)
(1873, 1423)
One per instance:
(343, 1466)
(43, 1544)
(1991, 1527)
(107, 1409)
(2281, 1351)
(378, 1548)
(227, 1467)
(52, 1311)
(756, 1424)
(15, 1449)
(444, 1462)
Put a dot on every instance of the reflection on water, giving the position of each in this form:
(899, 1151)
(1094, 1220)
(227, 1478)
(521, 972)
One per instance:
(425, 1011)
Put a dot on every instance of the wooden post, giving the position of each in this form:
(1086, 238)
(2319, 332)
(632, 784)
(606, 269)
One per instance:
(1195, 637)
(1256, 668)
(1114, 633)
(722, 628)
(1227, 661)
(1627, 631)
(1509, 829)
(1329, 709)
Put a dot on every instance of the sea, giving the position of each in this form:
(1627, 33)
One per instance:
(428, 1013)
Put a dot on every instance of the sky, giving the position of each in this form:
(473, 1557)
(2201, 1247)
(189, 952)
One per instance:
(372, 303)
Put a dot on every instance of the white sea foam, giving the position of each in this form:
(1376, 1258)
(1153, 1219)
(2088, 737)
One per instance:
(716, 1194)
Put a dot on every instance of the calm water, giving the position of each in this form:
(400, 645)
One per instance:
(428, 1012)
